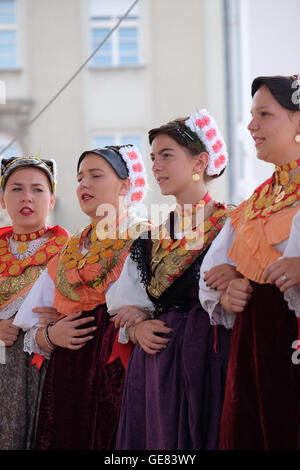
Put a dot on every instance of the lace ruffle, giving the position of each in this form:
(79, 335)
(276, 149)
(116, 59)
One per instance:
(30, 344)
(292, 298)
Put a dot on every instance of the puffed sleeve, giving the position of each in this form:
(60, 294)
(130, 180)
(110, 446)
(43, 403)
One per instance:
(216, 255)
(292, 295)
(128, 290)
(40, 295)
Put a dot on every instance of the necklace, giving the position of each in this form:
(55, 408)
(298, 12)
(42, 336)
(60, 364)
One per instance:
(23, 239)
(267, 199)
(282, 172)
(98, 250)
(195, 238)
(190, 210)
(11, 266)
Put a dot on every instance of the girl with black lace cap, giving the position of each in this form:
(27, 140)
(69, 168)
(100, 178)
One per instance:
(176, 374)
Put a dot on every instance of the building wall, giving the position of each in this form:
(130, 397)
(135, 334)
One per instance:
(182, 70)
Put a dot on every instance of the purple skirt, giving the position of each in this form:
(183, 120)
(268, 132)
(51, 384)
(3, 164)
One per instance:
(173, 400)
(82, 394)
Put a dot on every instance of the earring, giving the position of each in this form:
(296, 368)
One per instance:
(297, 138)
(196, 177)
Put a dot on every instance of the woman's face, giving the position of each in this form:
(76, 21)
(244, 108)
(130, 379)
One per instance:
(173, 168)
(273, 129)
(27, 199)
(98, 184)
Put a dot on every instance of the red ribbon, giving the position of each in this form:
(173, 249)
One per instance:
(123, 351)
(38, 361)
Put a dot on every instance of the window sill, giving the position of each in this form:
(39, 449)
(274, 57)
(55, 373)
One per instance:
(12, 70)
(115, 67)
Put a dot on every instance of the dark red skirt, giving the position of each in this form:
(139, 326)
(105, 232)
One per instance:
(82, 394)
(261, 406)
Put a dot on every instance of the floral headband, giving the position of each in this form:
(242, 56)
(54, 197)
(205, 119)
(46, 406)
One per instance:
(203, 126)
(137, 173)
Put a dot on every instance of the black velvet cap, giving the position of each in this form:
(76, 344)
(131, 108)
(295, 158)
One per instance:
(112, 156)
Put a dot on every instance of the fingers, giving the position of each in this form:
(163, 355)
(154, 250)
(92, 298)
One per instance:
(148, 335)
(83, 332)
(129, 316)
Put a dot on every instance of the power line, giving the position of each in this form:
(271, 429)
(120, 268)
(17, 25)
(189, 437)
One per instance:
(70, 79)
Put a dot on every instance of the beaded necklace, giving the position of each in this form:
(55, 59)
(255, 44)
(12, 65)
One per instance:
(22, 239)
(271, 196)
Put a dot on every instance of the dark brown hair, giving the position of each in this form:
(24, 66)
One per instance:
(184, 137)
(282, 88)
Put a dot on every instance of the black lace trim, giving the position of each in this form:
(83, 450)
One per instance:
(183, 292)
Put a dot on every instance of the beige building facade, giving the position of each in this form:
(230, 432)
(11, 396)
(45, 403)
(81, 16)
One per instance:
(167, 59)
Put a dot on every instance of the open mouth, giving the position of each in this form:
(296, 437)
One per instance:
(86, 197)
(258, 141)
(161, 179)
(26, 211)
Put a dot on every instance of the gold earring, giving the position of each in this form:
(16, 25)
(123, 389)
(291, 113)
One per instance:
(196, 177)
(297, 138)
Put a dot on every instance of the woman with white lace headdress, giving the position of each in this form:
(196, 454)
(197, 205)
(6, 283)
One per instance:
(27, 193)
(261, 239)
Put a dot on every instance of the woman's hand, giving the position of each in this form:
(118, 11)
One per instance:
(284, 273)
(65, 332)
(47, 315)
(219, 276)
(147, 335)
(8, 332)
(129, 315)
(236, 296)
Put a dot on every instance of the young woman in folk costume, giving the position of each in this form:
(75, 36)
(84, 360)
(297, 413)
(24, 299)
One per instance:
(81, 395)
(261, 239)
(176, 374)
(27, 188)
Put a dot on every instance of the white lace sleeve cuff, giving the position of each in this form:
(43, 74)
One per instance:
(30, 344)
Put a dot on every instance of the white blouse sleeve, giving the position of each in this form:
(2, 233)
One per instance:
(40, 295)
(127, 290)
(292, 295)
(209, 298)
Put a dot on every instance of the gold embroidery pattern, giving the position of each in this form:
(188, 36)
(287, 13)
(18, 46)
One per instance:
(12, 286)
(169, 260)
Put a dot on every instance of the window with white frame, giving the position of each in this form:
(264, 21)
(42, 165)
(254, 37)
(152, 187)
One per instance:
(8, 34)
(102, 140)
(122, 48)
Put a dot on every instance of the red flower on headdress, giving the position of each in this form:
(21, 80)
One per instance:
(202, 122)
(220, 161)
(137, 168)
(139, 182)
(137, 196)
(217, 146)
(211, 133)
(132, 155)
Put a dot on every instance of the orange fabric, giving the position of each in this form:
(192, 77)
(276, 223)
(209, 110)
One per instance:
(252, 249)
(89, 298)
